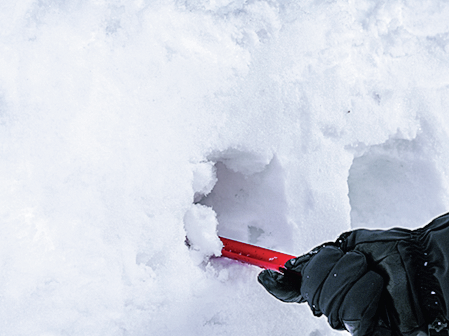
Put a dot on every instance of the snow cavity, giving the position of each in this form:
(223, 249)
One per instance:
(396, 183)
(249, 198)
(239, 195)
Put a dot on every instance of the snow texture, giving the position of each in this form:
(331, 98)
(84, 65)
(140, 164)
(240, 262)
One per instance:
(132, 129)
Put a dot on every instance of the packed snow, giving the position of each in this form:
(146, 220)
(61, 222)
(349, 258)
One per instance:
(133, 133)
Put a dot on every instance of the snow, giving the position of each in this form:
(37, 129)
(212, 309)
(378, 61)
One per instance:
(128, 126)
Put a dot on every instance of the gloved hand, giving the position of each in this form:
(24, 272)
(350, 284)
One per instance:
(286, 286)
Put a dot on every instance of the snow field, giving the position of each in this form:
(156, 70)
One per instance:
(126, 126)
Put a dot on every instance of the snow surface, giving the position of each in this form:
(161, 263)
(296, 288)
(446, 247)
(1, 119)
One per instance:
(126, 126)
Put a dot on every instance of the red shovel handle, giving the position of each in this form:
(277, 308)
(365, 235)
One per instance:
(254, 255)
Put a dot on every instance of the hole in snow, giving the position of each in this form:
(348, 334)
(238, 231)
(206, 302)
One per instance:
(249, 199)
(394, 184)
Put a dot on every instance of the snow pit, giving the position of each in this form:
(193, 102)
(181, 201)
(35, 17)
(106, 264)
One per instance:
(249, 197)
(238, 195)
(395, 184)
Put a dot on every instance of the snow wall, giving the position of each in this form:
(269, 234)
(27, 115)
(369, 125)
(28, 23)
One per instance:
(127, 126)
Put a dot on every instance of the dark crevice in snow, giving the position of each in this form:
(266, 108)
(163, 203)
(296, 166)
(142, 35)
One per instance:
(394, 184)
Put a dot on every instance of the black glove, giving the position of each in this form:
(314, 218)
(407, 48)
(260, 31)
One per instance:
(285, 287)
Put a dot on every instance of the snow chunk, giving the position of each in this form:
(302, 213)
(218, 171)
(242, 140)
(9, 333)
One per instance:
(200, 223)
(204, 179)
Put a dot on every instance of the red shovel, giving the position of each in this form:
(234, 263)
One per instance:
(254, 255)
